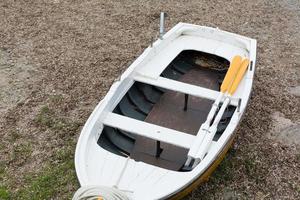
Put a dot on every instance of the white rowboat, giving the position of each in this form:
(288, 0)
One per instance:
(138, 138)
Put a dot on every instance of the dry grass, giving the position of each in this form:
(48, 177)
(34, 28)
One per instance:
(58, 59)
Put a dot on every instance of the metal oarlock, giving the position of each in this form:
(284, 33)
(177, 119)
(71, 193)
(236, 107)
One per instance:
(162, 25)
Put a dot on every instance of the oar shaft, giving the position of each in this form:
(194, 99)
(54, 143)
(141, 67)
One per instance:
(214, 108)
(204, 146)
(205, 126)
(198, 141)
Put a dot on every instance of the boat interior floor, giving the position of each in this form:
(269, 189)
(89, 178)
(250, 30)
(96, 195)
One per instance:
(169, 109)
(169, 112)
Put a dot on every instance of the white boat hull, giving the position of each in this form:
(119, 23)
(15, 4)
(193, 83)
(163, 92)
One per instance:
(139, 180)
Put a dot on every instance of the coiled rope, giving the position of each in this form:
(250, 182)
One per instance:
(99, 193)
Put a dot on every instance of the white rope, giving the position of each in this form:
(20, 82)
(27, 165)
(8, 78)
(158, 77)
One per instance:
(98, 192)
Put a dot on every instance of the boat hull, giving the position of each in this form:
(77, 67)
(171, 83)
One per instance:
(122, 112)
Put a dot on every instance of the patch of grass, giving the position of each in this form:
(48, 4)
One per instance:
(298, 157)
(57, 98)
(14, 136)
(51, 182)
(65, 126)
(250, 166)
(4, 193)
(255, 170)
(63, 154)
(2, 170)
(46, 118)
(225, 170)
(2, 167)
(21, 153)
(58, 178)
(2, 146)
(55, 180)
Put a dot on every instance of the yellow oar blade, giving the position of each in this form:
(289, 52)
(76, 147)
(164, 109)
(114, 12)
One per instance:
(239, 76)
(231, 73)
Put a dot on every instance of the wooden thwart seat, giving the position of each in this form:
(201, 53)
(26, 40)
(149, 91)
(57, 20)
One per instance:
(149, 130)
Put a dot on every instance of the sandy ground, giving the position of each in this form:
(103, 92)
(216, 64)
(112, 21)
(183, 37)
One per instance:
(60, 57)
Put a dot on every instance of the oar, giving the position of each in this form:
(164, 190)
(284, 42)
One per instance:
(228, 80)
(204, 146)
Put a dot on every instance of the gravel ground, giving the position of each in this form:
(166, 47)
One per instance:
(58, 59)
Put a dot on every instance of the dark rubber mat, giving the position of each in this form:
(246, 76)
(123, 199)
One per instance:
(119, 140)
(171, 73)
(107, 144)
(128, 109)
(151, 94)
(139, 100)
